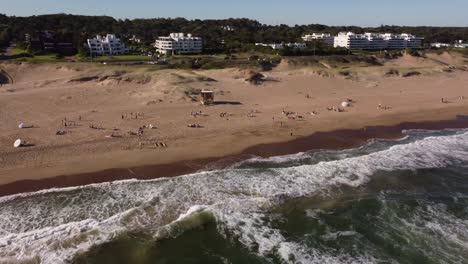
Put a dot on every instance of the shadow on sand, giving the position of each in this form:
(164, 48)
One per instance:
(226, 103)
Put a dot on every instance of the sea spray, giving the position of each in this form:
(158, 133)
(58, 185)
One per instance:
(196, 217)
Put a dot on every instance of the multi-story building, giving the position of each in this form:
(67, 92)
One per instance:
(377, 41)
(179, 43)
(47, 41)
(395, 41)
(351, 41)
(108, 45)
(323, 37)
(413, 42)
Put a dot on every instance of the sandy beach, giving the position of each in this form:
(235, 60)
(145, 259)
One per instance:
(101, 104)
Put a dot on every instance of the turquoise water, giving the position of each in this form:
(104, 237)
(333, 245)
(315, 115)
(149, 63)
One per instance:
(390, 201)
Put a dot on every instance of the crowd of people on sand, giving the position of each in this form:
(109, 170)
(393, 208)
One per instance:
(196, 113)
(335, 109)
(383, 107)
(252, 113)
(69, 123)
(132, 115)
(156, 144)
(97, 127)
(66, 123)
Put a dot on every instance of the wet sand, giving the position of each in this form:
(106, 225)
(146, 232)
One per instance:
(334, 140)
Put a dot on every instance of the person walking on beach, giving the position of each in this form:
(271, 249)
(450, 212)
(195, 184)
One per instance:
(140, 132)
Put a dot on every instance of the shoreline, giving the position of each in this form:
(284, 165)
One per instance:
(331, 140)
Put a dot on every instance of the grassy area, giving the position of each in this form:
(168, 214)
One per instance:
(117, 58)
(240, 55)
(196, 56)
(18, 51)
(23, 55)
(45, 58)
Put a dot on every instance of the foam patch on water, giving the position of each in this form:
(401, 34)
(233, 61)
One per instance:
(54, 225)
(430, 228)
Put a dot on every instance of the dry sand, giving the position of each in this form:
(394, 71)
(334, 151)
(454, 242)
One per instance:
(44, 95)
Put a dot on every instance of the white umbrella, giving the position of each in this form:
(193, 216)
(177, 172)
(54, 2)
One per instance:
(23, 125)
(17, 143)
(345, 104)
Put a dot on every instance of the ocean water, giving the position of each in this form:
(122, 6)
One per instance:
(389, 201)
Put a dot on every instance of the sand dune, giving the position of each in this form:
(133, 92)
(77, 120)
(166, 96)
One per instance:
(408, 61)
(447, 58)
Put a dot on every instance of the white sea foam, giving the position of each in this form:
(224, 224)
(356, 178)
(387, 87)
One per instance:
(56, 224)
(429, 226)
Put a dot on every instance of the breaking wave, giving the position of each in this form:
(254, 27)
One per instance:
(55, 225)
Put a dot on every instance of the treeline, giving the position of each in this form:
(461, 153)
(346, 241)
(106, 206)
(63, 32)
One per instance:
(223, 34)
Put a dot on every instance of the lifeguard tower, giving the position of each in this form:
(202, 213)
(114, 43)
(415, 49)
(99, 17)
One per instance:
(207, 97)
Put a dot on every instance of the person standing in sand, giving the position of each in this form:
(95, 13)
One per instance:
(140, 132)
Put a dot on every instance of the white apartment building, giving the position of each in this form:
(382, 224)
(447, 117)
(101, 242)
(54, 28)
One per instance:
(179, 43)
(108, 45)
(351, 41)
(323, 37)
(413, 42)
(395, 41)
(377, 41)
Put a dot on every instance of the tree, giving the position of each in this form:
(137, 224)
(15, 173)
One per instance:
(82, 52)
(76, 29)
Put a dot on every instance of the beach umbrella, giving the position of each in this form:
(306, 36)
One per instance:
(345, 104)
(17, 143)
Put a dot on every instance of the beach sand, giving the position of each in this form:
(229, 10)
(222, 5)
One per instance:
(45, 95)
